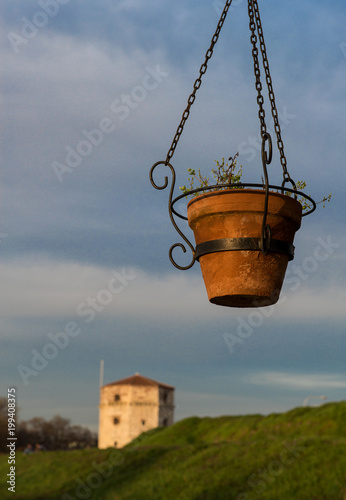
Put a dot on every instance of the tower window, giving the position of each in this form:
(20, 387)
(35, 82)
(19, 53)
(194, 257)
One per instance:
(116, 420)
(117, 397)
(164, 397)
(143, 422)
(165, 422)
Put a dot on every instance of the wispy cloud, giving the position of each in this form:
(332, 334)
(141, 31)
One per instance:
(53, 288)
(301, 381)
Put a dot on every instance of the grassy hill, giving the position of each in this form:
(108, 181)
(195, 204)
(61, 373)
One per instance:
(299, 455)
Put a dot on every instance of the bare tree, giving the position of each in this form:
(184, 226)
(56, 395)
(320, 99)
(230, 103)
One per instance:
(55, 434)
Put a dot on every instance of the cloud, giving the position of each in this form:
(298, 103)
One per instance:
(49, 288)
(299, 381)
(61, 289)
(310, 303)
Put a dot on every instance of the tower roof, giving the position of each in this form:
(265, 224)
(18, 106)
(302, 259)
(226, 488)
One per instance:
(138, 379)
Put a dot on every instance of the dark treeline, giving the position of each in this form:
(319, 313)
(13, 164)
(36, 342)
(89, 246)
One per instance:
(54, 434)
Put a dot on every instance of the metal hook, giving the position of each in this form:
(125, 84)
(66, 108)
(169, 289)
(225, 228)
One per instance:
(267, 159)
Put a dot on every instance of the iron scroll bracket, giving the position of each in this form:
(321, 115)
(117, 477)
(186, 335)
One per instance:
(171, 213)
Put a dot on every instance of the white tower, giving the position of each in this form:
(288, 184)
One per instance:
(131, 406)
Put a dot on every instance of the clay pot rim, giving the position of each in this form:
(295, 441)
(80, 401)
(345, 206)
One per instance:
(220, 192)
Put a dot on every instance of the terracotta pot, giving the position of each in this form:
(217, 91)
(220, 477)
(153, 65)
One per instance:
(243, 278)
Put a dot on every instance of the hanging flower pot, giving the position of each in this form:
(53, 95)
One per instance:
(227, 229)
(244, 237)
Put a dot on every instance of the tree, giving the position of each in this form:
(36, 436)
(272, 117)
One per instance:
(55, 434)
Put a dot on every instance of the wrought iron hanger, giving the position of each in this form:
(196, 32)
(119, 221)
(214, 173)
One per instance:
(265, 243)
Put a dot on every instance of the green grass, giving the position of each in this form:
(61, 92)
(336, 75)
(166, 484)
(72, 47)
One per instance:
(299, 455)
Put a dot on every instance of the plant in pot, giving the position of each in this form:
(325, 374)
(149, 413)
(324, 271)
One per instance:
(243, 256)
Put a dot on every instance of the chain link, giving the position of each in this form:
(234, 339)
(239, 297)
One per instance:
(198, 82)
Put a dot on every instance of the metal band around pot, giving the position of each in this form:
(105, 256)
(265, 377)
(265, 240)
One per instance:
(231, 244)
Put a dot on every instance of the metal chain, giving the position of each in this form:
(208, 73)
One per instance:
(266, 159)
(253, 7)
(257, 71)
(198, 82)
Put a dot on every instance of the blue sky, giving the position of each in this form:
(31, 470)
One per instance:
(111, 81)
